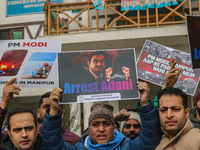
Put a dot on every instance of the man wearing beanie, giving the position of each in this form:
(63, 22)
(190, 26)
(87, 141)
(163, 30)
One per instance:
(102, 133)
(132, 126)
(195, 113)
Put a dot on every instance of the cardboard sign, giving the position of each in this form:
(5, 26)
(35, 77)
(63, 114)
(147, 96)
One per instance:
(32, 62)
(193, 24)
(154, 63)
(105, 75)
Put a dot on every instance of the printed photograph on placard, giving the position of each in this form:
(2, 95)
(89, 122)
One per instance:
(39, 65)
(155, 60)
(11, 62)
(105, 75)
(34, 63)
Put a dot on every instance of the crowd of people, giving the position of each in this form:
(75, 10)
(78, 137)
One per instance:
(164, 123)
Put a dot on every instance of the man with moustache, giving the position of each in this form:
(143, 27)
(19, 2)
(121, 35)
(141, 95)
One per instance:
(132, 126)
(178, 130)
(96, 65)
(102, 133)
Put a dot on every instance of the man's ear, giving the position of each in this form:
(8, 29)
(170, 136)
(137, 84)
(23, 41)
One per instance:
(9, 134)
(187, 112)
(38, 113)
(63, 113)
(88, 63)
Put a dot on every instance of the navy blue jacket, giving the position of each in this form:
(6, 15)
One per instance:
(148, 139)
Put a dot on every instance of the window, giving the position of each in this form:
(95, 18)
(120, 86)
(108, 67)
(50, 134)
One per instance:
(12, 34)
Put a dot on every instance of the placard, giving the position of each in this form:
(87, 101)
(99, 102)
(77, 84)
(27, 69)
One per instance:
(193, 25)
(105, 75)
(32, 62)
(154, 63)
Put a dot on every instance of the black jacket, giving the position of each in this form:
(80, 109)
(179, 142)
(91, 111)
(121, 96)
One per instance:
(8, 145)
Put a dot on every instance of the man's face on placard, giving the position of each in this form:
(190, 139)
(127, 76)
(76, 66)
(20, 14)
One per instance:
(97, 64)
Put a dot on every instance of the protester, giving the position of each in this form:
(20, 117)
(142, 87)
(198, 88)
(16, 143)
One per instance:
(102, 134)
(44, 104)
(130, 121)
(22, 131)
(132, 126)
(195, 113)
(178, 130)
(8, 91)
(22, 123)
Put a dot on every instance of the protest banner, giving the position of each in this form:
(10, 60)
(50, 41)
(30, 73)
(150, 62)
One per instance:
(32, 62)
(154, 63)
(104, 75)
(193, 25)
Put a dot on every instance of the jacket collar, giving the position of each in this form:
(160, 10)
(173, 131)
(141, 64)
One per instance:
(188, 126)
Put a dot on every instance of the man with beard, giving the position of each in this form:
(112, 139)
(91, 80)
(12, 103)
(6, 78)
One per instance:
(178, 130)
(195, 114)
(132, 126)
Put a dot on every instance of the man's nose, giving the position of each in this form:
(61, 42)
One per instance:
(132, 128)
(169, 113)
(24, 133)
(101, 128)
(99, 63)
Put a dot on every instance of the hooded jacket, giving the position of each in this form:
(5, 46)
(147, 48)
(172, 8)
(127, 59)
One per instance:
(8, 145)
(187, 139)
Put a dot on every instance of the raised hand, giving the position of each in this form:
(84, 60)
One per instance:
(8, 92)
(172, 75)
(122, 115)
(144, 92)
(54, 99)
